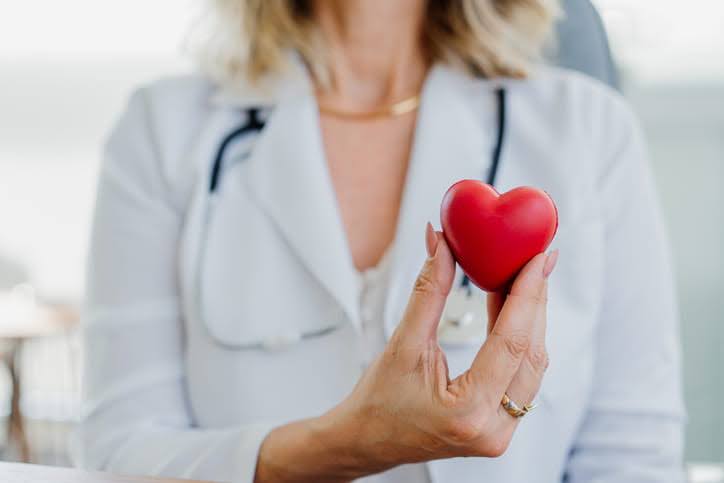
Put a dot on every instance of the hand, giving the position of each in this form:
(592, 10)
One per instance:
(408, 408)
(405, 408)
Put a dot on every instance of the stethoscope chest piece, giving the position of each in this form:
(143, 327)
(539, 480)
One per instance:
(465, 320)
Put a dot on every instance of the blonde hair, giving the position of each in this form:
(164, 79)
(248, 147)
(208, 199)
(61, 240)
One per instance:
(251, 39)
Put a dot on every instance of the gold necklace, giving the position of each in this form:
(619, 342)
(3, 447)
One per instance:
(393, 110)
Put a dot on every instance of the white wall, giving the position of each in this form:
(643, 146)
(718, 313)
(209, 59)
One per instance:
(66, 68)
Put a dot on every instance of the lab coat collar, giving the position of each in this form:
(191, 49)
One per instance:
(288, 176)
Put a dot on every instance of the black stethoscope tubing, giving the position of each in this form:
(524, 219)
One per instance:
(497, 154)
(254, 124)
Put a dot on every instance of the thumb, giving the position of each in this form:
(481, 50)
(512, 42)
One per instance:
(430, 291)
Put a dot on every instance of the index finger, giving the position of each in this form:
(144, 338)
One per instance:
(499, 358)
(430, 291)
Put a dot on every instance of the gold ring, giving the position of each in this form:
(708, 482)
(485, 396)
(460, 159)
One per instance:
(513, 409)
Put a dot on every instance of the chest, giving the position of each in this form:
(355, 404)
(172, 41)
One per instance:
(270, 261)
(270, 258)
(368, 162)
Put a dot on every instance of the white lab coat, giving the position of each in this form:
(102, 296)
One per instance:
(165, 396)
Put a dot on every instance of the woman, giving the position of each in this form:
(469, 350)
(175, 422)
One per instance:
(251, 320)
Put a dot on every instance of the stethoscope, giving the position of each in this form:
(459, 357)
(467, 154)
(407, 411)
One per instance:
(464, 317)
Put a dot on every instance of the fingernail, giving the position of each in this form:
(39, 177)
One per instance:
(550, 263)
(430, 240)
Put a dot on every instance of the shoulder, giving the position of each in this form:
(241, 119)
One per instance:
(577, 131)
(568, 95)
(577, 114)
(149, 143)
(599, 112)
(164, 103)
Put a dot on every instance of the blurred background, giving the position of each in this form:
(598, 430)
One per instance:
(66, 69)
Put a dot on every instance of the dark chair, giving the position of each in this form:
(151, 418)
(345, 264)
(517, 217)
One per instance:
(583, 44)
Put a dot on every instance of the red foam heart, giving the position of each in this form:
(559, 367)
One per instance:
(492, 236)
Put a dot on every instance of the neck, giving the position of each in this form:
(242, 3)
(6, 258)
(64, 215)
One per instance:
(375, 48)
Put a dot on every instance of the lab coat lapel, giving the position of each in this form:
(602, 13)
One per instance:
(453, 141)
(289, 178)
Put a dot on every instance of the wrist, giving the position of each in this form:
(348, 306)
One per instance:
(359, 438)
(345, 437)
(288, 455)
(329, 448)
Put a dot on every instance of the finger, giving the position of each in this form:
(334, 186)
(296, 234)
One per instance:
(499, 358)
(430, 291)
(495, 304)
(526, 383)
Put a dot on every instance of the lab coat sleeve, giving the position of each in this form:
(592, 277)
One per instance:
(137, 418)
(632, 431)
